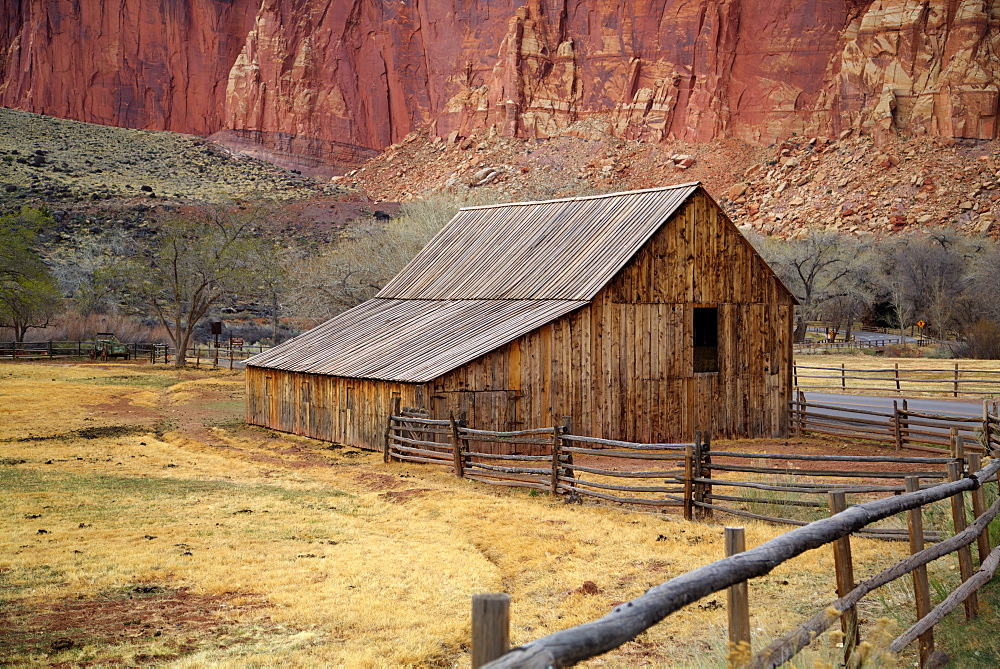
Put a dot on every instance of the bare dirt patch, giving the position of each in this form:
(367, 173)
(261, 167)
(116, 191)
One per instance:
(169, 622)
(376, 481)
(403, 496)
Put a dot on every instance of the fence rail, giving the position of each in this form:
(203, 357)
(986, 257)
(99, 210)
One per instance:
(630, 619)
(952, 381)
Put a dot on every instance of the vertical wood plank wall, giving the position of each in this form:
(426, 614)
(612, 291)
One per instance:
(621, 367)
(346, 411)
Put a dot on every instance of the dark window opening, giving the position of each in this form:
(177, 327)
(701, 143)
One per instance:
(706, 339)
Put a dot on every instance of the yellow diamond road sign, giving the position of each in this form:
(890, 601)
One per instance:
(921, 324)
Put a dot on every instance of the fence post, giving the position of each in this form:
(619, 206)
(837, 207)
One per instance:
(737, 597)
(979, 508)
(802, 410)
(896, 432)
(897, 377)
(697, 489)
(556, 443)
(688, 473)
(706, 471)
(393, 411)
(843, 377)
(905, 431)
(921, 587)
(986, 428)
(567, 428)
(956, 379)
(964, 553)
(490, 627)
(957, 446)
(456, 446)
(843, 564)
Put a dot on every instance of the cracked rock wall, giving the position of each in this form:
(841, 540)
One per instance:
(330, 82)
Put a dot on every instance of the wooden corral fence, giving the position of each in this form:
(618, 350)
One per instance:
(224, 356)
(47, 350)
(549, 459)
(899, 426)
(953, 381)
(630, 619)
(210, 356)
(769, 487)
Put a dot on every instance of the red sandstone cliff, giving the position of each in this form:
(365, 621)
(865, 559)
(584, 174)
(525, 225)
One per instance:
(332, 81)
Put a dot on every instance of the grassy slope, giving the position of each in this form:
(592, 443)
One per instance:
(277, 548)
(83, 162)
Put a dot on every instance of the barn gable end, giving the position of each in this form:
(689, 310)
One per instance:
(619, 361)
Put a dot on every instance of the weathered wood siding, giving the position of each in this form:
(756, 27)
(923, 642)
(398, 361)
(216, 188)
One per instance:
(346, 411)
(622, 367)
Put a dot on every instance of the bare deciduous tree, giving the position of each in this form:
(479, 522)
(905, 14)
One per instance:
(364, 259)
(824, 270)
(191, 264)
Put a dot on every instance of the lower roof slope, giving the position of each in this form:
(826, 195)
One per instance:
(410, 340)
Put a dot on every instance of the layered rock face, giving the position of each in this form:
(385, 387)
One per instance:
(327, 82)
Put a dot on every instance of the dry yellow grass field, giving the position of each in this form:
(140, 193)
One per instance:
(918, 376)
(143, 523)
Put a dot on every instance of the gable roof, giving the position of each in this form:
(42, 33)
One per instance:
(489, 276)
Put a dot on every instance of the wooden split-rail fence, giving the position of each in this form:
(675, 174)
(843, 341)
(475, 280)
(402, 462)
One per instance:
(787, 488)
(901, 427)
(77, 348)
(734, 573)
(953, 381)
(549, 459)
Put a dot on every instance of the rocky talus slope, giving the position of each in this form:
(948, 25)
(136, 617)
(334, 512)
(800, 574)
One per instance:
(326, 84)
(848, 184)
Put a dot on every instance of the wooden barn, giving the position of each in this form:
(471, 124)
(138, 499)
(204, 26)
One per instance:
(643, 316)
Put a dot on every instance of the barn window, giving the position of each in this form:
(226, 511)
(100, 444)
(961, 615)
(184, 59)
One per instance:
(706, 339)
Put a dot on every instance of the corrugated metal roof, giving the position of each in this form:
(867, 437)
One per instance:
(410, 340)
(555, 250)
(491, 275)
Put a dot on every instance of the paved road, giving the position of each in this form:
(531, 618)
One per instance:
(862, 335)
(866, 336)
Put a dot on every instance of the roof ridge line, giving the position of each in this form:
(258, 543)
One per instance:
(582, 197)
